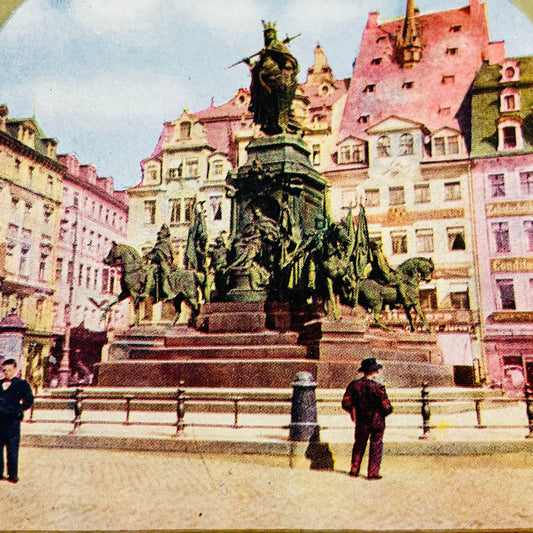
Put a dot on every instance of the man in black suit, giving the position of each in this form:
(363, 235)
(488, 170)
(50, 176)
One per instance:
(367, 402)
(15, 397)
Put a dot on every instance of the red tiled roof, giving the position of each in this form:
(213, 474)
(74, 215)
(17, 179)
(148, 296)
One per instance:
(233, 109)
(428, 99)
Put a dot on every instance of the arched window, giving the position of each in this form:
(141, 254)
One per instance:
(510, 135)
(185, 130)
(383, 146)
(509, 100)
(406, 144)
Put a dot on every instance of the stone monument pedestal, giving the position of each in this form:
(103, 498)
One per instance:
(233, 349)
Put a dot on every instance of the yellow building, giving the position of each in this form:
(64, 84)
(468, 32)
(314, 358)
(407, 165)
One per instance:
(30, 199)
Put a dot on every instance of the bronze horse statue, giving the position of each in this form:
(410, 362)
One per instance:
(183, 284)
(373, 295)
(335, 276)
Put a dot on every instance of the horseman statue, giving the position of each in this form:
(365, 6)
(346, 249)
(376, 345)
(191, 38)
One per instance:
(341, 262)
(162, 262)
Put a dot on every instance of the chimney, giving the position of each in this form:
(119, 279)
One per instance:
(372, 20)
(3, 117)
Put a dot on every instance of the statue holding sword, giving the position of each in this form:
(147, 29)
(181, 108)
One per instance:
(273, 83)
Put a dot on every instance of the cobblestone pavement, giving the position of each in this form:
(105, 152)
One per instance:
(70, 489)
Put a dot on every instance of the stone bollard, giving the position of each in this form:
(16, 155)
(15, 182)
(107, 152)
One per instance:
(304, 425)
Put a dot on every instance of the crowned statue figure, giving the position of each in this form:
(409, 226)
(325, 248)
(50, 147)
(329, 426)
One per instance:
(273, 84)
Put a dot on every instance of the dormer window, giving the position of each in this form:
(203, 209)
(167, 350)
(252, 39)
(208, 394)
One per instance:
(455, 29)
(448, 80)
(408, 85)
(369, 88)
(445, 145)
(510, 71)
(451, 51)
(185, 130)
(324, 90)
(218, 168)
(509, 100)
(406, 144)
(363, 119)
(376, 61)
(192, 169)
(510, 135)
(175, 172)
(152, 176)
(353, 152)
(381, 39)
(384, 146)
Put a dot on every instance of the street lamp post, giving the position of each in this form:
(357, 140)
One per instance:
(64, 367)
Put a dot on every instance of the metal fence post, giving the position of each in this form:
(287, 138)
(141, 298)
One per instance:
(180, 408)
(529, 409)
(78, 408)
(425, 411)
(479, 417)
(128, 398)
(236, 412)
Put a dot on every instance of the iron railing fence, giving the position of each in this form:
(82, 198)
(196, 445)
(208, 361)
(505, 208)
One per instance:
(78, 402)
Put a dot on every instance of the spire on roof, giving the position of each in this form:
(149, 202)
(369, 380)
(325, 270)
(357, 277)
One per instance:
(320, 71)
(408, 41)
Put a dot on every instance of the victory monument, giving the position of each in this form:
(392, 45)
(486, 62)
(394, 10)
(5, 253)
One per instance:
(294, 292)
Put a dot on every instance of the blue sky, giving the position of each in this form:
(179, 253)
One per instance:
(104, 75)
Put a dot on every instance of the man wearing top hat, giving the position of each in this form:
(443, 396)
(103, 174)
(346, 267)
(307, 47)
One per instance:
(367, 402)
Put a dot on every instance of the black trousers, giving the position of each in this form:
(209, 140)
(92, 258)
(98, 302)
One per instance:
(10, 439)
(362, 435)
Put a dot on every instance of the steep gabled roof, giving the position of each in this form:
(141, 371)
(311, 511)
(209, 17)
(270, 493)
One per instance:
(433, 91)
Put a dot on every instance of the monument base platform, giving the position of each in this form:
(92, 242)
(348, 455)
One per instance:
(236, 351)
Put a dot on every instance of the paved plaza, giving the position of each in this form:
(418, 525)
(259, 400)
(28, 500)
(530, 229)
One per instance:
(76, 489)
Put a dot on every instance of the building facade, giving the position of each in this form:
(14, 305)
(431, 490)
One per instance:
(31, 188)
(404, 147)
(93, 216)
(502, 172)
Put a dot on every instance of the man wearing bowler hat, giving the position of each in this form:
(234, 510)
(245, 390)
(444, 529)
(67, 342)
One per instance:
(367, 402)
(15, 397)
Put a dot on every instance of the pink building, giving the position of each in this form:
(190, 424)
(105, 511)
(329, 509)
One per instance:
(93, 216)
(502, 172)
(404, 147)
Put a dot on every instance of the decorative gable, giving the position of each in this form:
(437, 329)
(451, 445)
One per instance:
(394, 124)
(447, 142)
(351, 150)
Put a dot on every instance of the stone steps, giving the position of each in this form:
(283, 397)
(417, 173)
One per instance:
(234, 339)
(197, 353)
